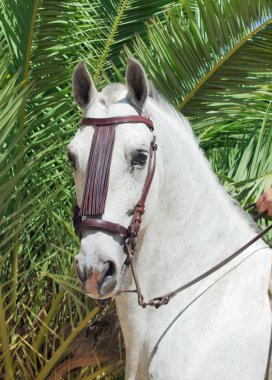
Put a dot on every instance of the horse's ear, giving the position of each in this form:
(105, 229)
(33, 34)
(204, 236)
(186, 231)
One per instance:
(137, 82)
(83, 88)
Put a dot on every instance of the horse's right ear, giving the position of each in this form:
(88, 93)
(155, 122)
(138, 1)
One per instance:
(137, 82)
(83, 88)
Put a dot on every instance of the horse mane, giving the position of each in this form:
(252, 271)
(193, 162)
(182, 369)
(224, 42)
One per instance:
(163, 104)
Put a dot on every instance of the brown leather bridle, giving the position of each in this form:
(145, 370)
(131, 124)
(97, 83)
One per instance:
(96, 185)
(93, 207)
(94, 198)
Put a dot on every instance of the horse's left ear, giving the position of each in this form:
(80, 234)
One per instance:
(137, 82)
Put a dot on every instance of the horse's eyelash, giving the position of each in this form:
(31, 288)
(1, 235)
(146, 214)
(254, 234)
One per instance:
(139, 158)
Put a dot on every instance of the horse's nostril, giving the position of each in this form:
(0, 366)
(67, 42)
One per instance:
(111, 269)
(98, 280)
(81, 271)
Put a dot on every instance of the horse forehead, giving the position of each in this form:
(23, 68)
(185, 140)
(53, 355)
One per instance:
(107, 105)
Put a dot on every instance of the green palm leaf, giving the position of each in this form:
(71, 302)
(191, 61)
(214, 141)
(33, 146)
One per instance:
(204, 61)
(122, 20)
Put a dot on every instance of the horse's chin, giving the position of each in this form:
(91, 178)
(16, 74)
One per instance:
(107, 290)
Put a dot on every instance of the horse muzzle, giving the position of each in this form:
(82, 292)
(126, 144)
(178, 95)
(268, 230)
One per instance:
(99, 280)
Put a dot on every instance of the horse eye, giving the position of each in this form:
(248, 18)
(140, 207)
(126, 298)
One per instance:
(139, 159)
(72, 159)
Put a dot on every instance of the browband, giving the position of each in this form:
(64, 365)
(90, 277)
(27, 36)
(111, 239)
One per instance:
(100, 122)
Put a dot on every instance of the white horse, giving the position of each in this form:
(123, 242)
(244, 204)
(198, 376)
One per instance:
(216, 329)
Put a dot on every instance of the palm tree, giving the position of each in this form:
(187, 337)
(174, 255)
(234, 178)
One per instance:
(210, 59)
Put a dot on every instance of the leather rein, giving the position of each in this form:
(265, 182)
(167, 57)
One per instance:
(92, 206)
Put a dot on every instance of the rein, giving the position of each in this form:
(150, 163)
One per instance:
(95, 194)
(164, 299)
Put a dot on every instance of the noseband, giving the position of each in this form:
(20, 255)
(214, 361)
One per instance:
(97, 181)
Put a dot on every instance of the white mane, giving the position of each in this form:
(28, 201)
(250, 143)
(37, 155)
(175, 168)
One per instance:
(169, 109)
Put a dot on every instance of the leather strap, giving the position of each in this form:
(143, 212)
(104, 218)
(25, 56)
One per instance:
(98, 171)
(102, 225)
(135, 224)
(100, 122)
(164, 299)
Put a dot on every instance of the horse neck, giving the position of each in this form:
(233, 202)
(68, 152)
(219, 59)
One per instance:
(196, 224)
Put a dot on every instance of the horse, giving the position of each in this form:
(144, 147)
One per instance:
(218, 328)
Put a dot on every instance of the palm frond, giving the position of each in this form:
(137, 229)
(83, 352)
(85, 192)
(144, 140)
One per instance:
(247, 170)
(122, 21)
(204, 61)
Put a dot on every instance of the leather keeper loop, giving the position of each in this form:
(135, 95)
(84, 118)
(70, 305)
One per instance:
(140, 209)
(154, 146)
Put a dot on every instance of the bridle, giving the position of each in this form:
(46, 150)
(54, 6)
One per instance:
(97, 180)
(94, 199)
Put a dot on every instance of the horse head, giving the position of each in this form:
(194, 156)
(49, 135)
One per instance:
(111, 156)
